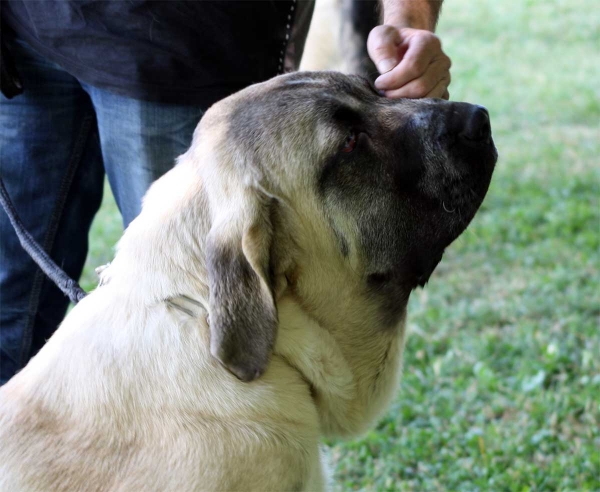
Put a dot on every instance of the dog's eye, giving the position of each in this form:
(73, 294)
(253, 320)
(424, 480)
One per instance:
(350, 142)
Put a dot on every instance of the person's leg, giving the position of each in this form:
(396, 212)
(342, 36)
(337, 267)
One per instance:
(51, 165)
(140, 141)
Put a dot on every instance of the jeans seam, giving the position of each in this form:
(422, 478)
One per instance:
(50, 236)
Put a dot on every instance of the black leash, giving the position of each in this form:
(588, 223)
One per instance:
(66, 284)
(11, 86)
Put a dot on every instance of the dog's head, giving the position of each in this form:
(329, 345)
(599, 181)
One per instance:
(320, 186)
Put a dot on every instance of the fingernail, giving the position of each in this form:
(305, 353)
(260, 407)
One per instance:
(378, 84)
(386, 65)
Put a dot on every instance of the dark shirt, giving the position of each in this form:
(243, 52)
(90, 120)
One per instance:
(193, 52)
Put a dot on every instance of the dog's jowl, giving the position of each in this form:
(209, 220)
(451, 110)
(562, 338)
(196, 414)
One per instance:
(258, 302)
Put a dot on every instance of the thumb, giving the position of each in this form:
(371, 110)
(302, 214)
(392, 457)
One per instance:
(382, 45)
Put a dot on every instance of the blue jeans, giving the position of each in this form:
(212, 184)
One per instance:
(57, 140)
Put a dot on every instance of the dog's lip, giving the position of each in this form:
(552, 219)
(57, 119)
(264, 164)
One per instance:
(475, 143)
(462, 197)
(478, 162)
(486, 146)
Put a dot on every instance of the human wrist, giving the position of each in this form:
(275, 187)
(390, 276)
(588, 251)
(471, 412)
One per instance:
(412, 22)
(413, 14)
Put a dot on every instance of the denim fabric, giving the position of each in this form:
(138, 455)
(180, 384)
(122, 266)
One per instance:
(57, 140)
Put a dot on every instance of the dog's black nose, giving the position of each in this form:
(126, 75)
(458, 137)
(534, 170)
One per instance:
(476, 126)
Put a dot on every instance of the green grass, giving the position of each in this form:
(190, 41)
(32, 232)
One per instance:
(501, 386)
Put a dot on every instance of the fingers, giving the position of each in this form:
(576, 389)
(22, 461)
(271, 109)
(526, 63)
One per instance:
(440, 90)
(382, 46)
(420, 49)
(432, 83)
(422, 68)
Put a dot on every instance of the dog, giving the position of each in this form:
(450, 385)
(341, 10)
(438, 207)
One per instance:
(258, 302)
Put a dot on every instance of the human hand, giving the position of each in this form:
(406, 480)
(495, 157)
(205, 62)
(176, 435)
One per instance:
(411, 62)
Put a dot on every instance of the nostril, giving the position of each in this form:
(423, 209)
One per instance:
(477, 127)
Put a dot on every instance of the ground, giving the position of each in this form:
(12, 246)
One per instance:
(501, 386)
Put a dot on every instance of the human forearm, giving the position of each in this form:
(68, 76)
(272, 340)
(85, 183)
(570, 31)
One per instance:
(418, 14)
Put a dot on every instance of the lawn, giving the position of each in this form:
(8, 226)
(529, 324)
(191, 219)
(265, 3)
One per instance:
(501, 386)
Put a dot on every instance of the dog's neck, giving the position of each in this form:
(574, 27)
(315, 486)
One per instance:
(167, 239)
(332, 348)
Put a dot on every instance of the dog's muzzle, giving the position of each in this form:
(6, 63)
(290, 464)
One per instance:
(474, 128)
(469, 137)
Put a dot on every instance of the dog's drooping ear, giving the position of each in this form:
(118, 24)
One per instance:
(243, 316)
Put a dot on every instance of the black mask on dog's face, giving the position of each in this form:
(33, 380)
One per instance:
(412, 175)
